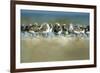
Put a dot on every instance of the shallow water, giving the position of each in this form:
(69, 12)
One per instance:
(59, 48)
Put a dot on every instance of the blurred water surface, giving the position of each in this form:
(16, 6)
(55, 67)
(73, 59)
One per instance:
(61, 48)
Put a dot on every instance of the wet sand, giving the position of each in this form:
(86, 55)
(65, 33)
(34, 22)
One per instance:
(54, 49)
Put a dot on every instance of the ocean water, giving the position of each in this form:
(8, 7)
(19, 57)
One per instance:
(31, 16)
